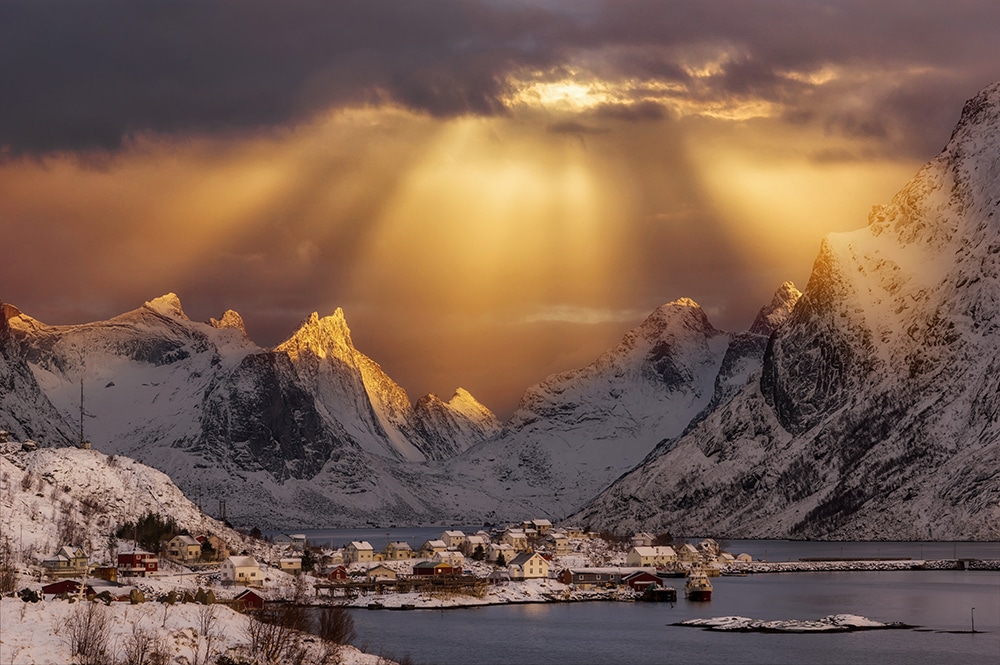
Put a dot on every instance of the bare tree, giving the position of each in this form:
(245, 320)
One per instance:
(89, 633)
(207, 633)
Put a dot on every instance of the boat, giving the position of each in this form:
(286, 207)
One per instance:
(698, 586)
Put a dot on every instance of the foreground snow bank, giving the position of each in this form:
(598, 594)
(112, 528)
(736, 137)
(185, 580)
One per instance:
(41, 633)
(835, 623)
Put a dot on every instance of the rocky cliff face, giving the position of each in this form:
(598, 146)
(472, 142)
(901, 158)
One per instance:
(875, 414)
(312, 431)
(25, 411)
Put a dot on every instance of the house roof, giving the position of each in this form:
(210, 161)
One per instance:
(435, 543)
(186, 540)
(243, 562)
(541, 522)
(399, 545)
(432, 564)
(665, 550)
(248, 592)
(363, 545)
(523, 558)
(454, 534)
(69, 551)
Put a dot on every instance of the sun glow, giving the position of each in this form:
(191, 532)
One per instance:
(486, 220)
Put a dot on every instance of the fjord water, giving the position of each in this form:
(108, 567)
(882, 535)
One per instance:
(938, 603)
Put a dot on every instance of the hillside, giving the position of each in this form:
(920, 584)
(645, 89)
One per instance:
(875, 414)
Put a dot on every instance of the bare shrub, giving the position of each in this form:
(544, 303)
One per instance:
(89, 633)
(144, 647)
(8, 572)
(336, 625)
(273, 633)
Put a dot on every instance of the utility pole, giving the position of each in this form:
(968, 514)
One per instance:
(973, 619)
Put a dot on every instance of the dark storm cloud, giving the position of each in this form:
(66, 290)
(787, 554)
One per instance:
(78, 74)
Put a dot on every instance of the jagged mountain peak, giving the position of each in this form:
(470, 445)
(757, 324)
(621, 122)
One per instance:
(877, 399)
(980, 112)
(771, 316)
(230, 319)
(321, 336)
(167, 305)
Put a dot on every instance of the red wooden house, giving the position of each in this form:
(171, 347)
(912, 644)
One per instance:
(433, 568)
(248, 600)
(138, 563)
(641, 579)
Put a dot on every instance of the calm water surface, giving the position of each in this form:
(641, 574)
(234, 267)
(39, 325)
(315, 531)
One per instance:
(641, 634)
(599, 633)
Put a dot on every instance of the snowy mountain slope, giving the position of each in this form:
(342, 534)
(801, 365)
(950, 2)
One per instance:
(876, 411)
(58, 496)
(577, 431)
(25, 411)
(215, 411)
(354, 390)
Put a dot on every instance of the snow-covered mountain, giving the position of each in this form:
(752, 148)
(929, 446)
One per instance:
(876, 413)
(577, 431)
(302, 429)
(25, 411)
(59, 496)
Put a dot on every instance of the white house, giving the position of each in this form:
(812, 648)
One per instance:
(69, 561)
(516, 538)
(359, 552)
(241, 570)
(183, 549)
(645, 557)
(643, 539)
(560, 543)
(542, 526)
(453, 539)
(291, 564)
(453, 558)
(528, 565)
(398, 550)
(688, 552)
(494, 551)
(432, 547)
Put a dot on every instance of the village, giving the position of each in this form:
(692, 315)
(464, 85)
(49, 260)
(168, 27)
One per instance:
(528, 562)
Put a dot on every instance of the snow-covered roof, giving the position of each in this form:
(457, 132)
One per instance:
(664, 550)
(186, 540)
(243, 562)
(435, 543)
(362, 545)
(454, 534)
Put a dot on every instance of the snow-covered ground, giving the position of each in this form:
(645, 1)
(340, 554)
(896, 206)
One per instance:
(835, 623)
(41, 633)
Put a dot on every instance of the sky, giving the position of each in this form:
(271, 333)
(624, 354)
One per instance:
(492, 190)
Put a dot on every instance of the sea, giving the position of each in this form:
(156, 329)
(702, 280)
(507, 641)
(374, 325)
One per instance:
(941, 609)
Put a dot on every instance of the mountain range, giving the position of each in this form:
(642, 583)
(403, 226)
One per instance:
(865, 406)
